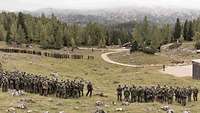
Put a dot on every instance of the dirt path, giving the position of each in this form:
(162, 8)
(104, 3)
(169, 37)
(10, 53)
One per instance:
(107, 59)
(179, 71)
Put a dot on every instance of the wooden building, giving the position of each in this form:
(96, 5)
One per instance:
(196, 69)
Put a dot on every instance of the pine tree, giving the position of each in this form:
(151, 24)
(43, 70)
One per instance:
(58, 39)
(185, 30)
(137, 36)
(156, 40)
(21, 21)
(145, 29)
(89, 41)
(119, 42)
(12, 34)
(73, 44)
(21, 35)
(102, 43)
(177, 30)
(3, 33)
(66, 37)
(166, 34)
(197, 40)
(44, 38)
(190, 31)
(30, 30)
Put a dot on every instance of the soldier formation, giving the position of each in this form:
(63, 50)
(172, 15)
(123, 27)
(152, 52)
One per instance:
(160, 94)
(42, 85)
(47, 54)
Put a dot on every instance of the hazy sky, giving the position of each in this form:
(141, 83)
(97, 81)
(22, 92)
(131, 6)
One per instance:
(92, 4)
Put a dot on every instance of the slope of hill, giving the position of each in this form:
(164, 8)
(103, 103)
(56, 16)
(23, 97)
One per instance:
(120, 15)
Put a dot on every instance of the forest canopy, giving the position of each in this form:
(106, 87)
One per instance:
(53, 34)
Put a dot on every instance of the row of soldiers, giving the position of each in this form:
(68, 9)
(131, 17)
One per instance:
(163, 94)
(47, 54)
(43, 85)
(15, 50)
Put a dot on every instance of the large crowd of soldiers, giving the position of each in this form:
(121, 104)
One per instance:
(44, 86)
(47, 54)
(157, 93)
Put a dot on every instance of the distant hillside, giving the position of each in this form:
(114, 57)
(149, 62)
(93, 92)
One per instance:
(120, 15)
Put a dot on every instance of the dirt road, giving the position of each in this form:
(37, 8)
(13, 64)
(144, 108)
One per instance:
(107, 59)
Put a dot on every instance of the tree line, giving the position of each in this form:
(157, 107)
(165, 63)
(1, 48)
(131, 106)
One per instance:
(148, 35)
(51, 33)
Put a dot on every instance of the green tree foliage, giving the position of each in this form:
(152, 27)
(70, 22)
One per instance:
(66, 37)
(190, 31)
(156, 38)
(58, 41)
(72, 42)
(197, 40)
(119, 42)
(45, 40)
(166, 34)
(12, 33)
(21, 35)
(150, 37)
(177, 30)
(21, 22)
(3, 33)
(185, 30)
(49, 32)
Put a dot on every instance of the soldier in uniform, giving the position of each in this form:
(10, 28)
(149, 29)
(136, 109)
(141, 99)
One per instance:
(163, 67)
(58, 88)
(81, 88)
(140, 93)
(45, 88)
(146, 94)
(119, 93)
(90, 89)
(133, 92)
(158, 93)
(176, 92)
(183, 96)
(189, 94)
(195, 93)
(4, 84)
(17, 83)
(153, 93)
(1, 67)
(126, 94)
(76, 91)
(170, 95)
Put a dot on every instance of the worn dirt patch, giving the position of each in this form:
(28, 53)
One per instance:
(179, 71)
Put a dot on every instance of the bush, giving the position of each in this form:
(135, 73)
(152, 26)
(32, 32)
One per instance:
(175, 45)
(149, 50)
(134, 47)
(197, 45)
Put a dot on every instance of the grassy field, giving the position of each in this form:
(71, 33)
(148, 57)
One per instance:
(104, 76)
(139, 58)
(184, 53)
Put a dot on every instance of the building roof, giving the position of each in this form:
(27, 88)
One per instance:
(196, 60)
